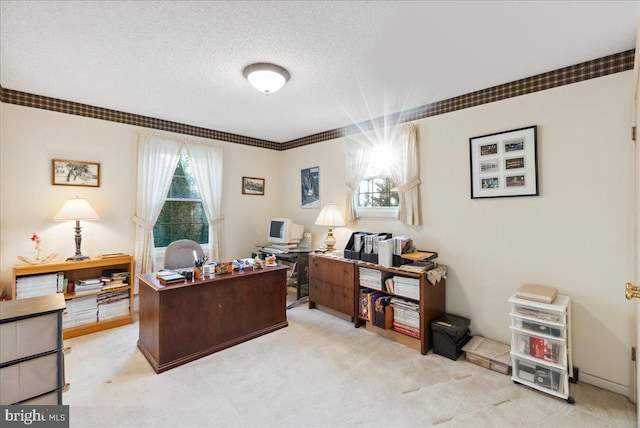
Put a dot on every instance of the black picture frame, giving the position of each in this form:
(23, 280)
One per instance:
(310, 187)
(504, 164)
(252, 186)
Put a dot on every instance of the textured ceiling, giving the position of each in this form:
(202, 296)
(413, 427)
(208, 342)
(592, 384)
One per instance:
(349, 61)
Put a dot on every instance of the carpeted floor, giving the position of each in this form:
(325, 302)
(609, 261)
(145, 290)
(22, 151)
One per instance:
(318, 372)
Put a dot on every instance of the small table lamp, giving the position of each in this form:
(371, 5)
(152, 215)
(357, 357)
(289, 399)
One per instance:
(330, 216)
(76, 209)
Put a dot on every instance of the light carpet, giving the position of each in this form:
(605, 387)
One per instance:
(319, 371)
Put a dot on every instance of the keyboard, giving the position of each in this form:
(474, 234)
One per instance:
(273, 250)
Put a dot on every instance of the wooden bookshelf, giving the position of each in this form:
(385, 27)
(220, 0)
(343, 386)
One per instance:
(334, 283)
(431, 302)
(74, 271)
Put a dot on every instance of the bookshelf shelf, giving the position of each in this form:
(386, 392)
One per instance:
(431, 303)
(75, 271)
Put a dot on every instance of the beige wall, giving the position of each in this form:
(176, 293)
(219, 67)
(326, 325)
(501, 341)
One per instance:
(30, 138)
(575, 236)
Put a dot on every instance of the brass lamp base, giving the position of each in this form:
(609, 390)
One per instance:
(330, 241)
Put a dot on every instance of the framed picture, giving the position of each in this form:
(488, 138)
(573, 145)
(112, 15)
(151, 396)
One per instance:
(504, 164)
(252, 186)
(75, 173)
(310, 187)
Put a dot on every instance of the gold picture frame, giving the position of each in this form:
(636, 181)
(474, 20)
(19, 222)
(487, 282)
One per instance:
(75, 173)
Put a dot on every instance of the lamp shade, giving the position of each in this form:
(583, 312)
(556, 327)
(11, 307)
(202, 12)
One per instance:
(266, 77)
(330, 215)
(76, 209)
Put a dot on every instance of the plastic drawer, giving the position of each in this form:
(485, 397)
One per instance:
(538, 313)
(539, 375)
(541, 348)
(538, 327)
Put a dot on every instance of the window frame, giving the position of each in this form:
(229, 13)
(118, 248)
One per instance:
(160, 250)
(390, 213)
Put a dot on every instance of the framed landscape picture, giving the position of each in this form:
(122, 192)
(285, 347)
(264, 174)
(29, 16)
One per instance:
(310, 187)
(252, 186)
(75, 173)
(504, 164)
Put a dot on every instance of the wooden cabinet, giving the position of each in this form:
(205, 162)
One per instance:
(31, 360)
(431, 304)
(74, 271)
(331, 283)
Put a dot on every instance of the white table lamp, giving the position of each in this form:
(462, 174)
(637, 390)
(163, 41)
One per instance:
(76, 209)
(330, 216)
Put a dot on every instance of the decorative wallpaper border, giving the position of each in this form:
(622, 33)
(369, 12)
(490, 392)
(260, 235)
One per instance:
(599, 67)
(62, 106)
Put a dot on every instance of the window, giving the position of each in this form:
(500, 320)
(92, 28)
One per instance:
(377, 193)
(182, 216)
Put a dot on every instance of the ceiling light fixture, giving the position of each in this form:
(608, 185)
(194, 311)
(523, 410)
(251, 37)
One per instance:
(266, 77)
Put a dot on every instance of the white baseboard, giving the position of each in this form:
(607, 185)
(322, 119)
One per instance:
(604, 384)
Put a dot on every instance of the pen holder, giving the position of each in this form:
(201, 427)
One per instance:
(197, 272)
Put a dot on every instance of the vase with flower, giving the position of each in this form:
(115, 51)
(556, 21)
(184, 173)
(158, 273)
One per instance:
(39, 259)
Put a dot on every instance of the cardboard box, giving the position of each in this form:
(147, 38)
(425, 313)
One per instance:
(489, 354)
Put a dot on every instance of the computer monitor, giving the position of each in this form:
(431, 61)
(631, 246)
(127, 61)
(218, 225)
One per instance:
(284, 231)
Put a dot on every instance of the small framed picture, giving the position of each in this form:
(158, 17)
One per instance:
(310, 187)
(504, 164)
(252, 186)
(75, 173)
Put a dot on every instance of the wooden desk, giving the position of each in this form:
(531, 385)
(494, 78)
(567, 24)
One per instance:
(183, 322)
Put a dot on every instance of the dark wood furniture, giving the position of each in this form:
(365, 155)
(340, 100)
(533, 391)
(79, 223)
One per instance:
(31, 361)
(335, 283)
(186, 321)
(331, 283)
(432, 304)
(84, 269)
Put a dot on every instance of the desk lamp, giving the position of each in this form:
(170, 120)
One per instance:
(76, 209)
(330, 216)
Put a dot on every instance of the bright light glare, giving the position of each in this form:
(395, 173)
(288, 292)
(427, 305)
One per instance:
(382, 157)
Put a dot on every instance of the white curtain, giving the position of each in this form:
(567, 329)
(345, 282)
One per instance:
(157, 160)
(206, 164)
(405, 173)
(357, 155)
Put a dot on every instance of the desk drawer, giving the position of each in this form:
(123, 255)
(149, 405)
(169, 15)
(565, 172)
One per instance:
(333, 296)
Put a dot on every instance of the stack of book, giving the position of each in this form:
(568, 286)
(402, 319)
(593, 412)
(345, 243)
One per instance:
(406, 317)
(38, 285)
(83, 310)
(114, 280)
(113, 304)
(91, 285)
(367, 304)
(419, 261)
(373, 278)
(406, 287)
(167, 277)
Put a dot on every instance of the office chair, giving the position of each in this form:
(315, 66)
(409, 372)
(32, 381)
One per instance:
(179, 254)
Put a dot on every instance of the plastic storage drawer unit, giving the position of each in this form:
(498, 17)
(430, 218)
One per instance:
(450, 334)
